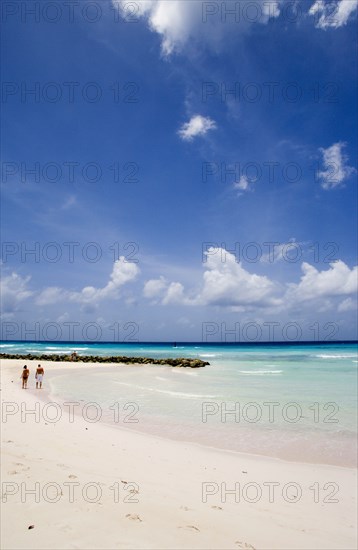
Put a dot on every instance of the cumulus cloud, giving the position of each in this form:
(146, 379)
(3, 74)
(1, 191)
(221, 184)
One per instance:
(336, 170)
(225, 283)
(165, 292)
(13, 291)
(338, 280)
(175, 295)
(122, 273)
(174, 21)
(178, 21)
(197, 126)
(155, 287)
(332, 14)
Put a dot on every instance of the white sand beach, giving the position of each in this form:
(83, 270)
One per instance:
(90, 485)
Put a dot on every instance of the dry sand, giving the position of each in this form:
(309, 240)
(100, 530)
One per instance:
(102, 487)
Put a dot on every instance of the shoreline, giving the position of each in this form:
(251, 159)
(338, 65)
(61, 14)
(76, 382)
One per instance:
(62, 367)
(46, 396)
(169, 493)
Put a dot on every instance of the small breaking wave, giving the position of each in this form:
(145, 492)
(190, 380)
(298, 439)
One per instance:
(330, 356)
(181, 395)
(260, 372)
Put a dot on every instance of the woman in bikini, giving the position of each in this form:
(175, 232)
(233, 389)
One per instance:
(24, 375)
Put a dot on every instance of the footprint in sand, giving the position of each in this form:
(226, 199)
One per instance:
(133, 517)
(24, 469)
(189, 528)
(244, 545)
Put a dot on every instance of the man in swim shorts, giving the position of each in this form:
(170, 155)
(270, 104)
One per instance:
(39, 376)
(24, 375)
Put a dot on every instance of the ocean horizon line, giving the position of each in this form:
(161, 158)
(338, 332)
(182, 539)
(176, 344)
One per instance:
(191, 343)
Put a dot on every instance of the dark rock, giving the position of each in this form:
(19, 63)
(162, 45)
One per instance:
(172, 362)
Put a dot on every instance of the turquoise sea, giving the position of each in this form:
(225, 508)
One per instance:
(297, 402)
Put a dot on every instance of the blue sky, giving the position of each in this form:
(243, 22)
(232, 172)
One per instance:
(179, 169)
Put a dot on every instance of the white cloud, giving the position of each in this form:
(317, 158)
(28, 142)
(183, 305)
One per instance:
(243, 185)
(161, 290)
(175, 295)
(155, 287)
(225, 283)
(197, 126)
(63, 317)
(349, 304)
(13, 291)
(332, 14)
(338, 280)
(179, 21)
(336, 168)
(291, 252)
(173, 20)
(51, 295)
(122, 273)
(271, 9)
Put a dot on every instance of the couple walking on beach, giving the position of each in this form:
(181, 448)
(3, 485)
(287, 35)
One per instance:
(38, 376)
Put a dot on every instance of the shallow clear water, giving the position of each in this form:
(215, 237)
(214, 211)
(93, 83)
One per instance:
(296, 402)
